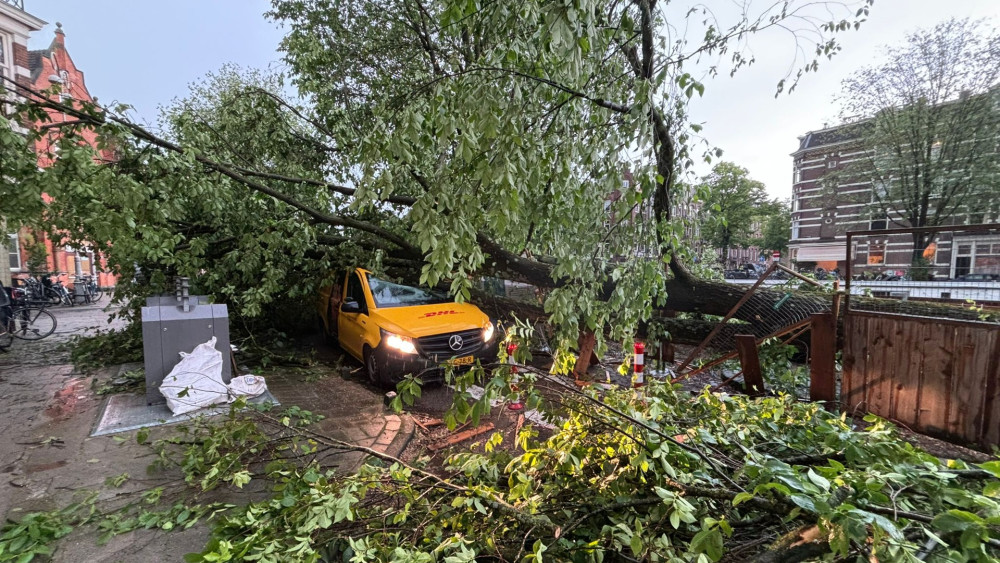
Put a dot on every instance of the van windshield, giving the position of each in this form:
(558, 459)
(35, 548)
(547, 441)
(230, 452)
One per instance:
(388, 294)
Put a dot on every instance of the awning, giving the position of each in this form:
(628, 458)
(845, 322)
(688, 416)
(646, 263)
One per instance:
(821, 253)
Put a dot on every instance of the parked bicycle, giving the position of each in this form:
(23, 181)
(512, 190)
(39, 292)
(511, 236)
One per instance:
(85, 290)
(20, 319)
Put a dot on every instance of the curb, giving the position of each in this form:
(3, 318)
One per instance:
(403, 435)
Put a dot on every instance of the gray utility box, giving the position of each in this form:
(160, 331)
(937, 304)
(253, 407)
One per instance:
(171, 325)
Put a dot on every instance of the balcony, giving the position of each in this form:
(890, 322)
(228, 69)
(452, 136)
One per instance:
(19, 4)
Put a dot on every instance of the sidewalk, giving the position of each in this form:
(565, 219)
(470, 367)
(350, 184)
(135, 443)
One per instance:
(48, 409)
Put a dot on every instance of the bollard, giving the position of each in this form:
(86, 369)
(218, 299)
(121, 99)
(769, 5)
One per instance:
(639, 363)
(516, 404)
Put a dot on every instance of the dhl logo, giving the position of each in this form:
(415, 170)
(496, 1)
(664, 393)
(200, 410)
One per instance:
(438, 313)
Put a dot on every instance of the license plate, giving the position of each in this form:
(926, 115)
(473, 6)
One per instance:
(463, 361)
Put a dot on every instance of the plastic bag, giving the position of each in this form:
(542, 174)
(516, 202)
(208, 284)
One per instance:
(196, 381)
(247, 386)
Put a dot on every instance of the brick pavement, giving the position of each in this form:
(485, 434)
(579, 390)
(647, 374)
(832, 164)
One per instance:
(48, 409)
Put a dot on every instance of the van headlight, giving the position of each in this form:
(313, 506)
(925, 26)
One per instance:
(399, 343)
(488, 332)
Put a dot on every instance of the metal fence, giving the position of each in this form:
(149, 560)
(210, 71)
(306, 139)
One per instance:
(16, 3)
(927, 272)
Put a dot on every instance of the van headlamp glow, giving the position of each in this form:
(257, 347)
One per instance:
(400, 343)
(488, 332)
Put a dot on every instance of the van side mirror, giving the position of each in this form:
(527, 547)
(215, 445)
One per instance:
(350, 306)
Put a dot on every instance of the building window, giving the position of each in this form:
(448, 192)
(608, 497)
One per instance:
(798, 175)
(795, 229)
(880, 223)
(14, 248)
(831, 164)
(6, 58)
(876, 254)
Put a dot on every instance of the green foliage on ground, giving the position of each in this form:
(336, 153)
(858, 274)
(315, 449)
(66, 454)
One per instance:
(658, 476)
(107, 348)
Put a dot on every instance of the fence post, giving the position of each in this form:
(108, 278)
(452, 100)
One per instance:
(746, 345)
(822, 368)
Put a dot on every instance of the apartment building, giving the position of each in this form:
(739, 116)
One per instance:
(827, 203)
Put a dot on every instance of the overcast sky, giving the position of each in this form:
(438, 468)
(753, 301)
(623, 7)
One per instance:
(146, 53)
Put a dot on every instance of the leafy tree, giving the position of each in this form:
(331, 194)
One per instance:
(444, 139)
(732, 202)
(930, 118)
(776, 221)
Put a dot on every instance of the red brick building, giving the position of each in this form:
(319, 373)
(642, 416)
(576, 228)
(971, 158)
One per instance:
(41, 70)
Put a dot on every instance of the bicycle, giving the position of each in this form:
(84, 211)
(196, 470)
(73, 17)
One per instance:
(23, 321)
(88, 291)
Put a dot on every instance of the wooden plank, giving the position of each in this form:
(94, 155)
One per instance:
(967, 389)
(428, 423)
(855, 363)
(875, 379)
(990, 432)
(972, 363)
(586, 357)
(936, 390)
(461, 437)
(822, 363)
(910, 374)
(898, 377)
(746, 346)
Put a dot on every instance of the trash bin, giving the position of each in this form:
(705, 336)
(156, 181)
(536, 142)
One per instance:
(178, 323)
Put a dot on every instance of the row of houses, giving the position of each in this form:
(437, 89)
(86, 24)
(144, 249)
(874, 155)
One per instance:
(829, 198)
(41, 69)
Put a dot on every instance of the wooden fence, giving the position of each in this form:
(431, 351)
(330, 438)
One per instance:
(936, 376)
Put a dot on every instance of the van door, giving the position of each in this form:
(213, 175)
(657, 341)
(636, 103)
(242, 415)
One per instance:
(351, 326)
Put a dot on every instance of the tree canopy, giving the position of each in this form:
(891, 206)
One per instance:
(443, 139)
(928, 121)
(732, 204)
(776, 229)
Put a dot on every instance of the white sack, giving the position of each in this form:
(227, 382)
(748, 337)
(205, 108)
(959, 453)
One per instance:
(196, 381)
(247, 386)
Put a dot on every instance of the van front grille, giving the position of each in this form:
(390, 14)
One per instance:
(439, 346)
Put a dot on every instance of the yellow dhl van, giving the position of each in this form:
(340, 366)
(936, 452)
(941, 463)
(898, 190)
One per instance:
(396, 330)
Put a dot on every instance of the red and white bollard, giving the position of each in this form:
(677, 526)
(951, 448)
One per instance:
(639, 362)
(516, 404)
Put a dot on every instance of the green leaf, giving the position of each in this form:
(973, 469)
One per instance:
(709, 542)
(803, 501)
(956, 521)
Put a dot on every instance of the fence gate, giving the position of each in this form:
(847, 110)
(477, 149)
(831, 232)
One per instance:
(925, 363)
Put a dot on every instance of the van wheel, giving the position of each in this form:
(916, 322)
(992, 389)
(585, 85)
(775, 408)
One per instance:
(371, 367)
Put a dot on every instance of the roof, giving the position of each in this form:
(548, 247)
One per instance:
(832, 135)
(35, 62)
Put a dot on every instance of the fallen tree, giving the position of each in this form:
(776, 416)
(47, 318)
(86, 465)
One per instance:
(435, 140)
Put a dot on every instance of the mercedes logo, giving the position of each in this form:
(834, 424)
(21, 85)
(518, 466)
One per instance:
(455, 342)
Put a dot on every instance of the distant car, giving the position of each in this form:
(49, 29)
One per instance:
(978, 277)
(395, 329)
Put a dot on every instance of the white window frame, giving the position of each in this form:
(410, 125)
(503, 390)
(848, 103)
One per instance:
(7, 66)
(14, 249)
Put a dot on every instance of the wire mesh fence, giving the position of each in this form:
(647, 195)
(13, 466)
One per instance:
(767, 309)
(947, 272)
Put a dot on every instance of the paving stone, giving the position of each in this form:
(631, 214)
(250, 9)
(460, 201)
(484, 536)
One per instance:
(47, 410)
